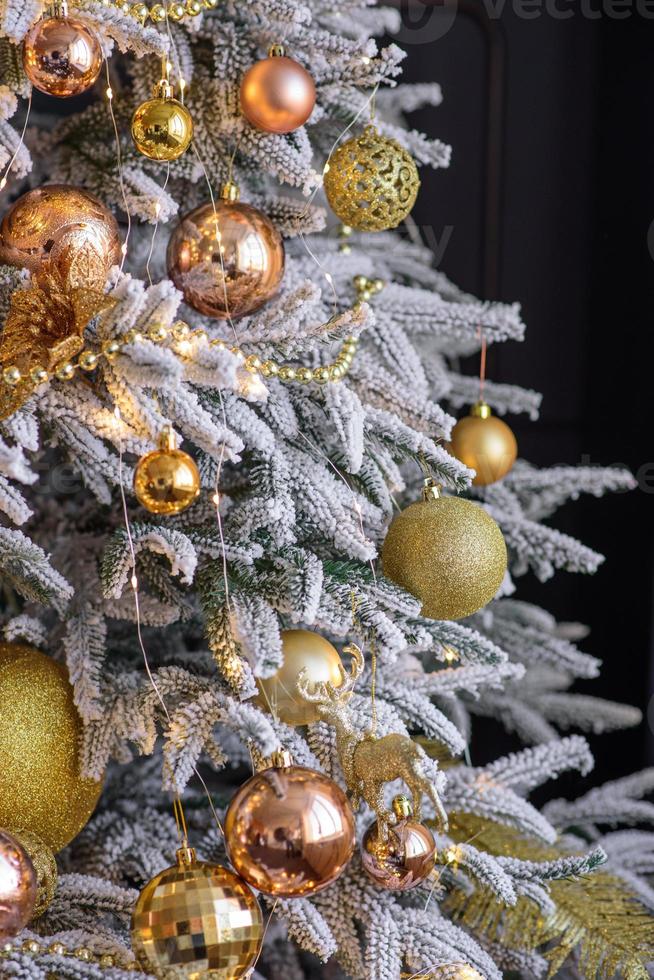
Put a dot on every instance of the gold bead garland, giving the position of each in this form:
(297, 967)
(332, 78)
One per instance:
(104, 960)
(175, 10)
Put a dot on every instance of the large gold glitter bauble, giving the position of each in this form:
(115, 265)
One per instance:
(45, 867)
(62, 229)
(162, 128)
(17, 887)
(277, 94)
(197, 920)
(484, 443)
(41, 789)
(166, 481)
(62, 56)
(289, 831)
(448, 552)
(227, 261)
(404, 857)
(303, 650)
(371, 182)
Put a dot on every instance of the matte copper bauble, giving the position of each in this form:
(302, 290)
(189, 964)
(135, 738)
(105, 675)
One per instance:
(446, 551)
(303, 650)
(57, 228)
(484, 443)
(405, 857)
(162, 128)
(166, 481)
(62, 56)
(17, 887)
(277, 94)
(197, 920)
(228, 260)
(289, 831)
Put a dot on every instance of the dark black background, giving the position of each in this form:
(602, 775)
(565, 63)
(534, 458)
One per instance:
(578, 201)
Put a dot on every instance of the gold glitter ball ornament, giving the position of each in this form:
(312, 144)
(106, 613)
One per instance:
(166, 481)
(41, 787)
(45, 867)
(162, 128)
(303, 650)
(197, 920)
(446, 551)
(62, 56)
(484, 443)
(371, 182)
(403, 857)
(17, 887)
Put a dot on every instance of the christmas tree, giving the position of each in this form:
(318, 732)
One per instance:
(213, 645)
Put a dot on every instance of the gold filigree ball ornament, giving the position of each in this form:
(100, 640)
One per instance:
(277, 94)
(17, 887)
(446, 551)
(289, 831)
(228, 260)
(404, 856)
(62, 56)
(306, 651)
(42, 790)
(45, 867)
(162, 127)
(371, 182)
(197, 920)
(166, 481)
(484, 443)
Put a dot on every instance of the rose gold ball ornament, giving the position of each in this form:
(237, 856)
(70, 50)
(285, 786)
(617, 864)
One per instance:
(227, 261)
(17, 887)
(277, 94)
(197, 920)
(166, 481)
(162, 128)
(289, 831)
(61, 55)
(63, 229)
(405, 858)
(484, 443)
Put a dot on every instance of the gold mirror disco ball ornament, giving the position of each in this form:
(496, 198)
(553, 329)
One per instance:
(277, 94)
(42, 790)
(57, 228)
(17, 887)
(166, 481)
(405, 858)
(197, 920)
(162, 128)
(62, 56)
(45, 868)
(484, 443)
(447, 552)
(303, 650)
(228, 261)
(289, 831)
(371, 182)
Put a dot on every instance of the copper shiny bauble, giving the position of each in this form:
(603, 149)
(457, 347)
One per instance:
(484, 443)
(17, 887)
(448, 552)
(197, 920)
(289, 831)
(277, 95)
(166, 481)
(162, 129)
(252, 264)
(57, 228)
(41, 788)
(403, 859)
(62, 56)
(303, 650)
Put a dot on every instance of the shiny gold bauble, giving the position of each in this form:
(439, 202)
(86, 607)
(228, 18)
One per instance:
(303, 650)
(62, 56)
(17, 887)
(197, 920)
(484, 443)
(448, 552)
(277, 94)
(162, 128)
(289, 831)
(227, 261)
(41, 788)
(371, 182)
(45, 867)
(166, 481)
(57, 228)
(403, 859)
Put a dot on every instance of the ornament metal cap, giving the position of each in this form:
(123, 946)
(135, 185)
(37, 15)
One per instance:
(402, 807)
(167, 440)
(481, 410)
(276, 51)
(230, 191)
(186, 856)
(58, 8)
(431, 490)
(163, 90)
(281, 759)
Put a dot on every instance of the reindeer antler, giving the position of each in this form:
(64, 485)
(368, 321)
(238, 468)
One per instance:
(325, 692)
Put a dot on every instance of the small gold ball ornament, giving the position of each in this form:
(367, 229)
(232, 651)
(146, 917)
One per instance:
(371, 182)
(446, 551)
(303, 650)
(166, 481)
(45, 867)
(405, 856)
(197, 920)
(484, 443)
(62, 56)
(162, 128)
